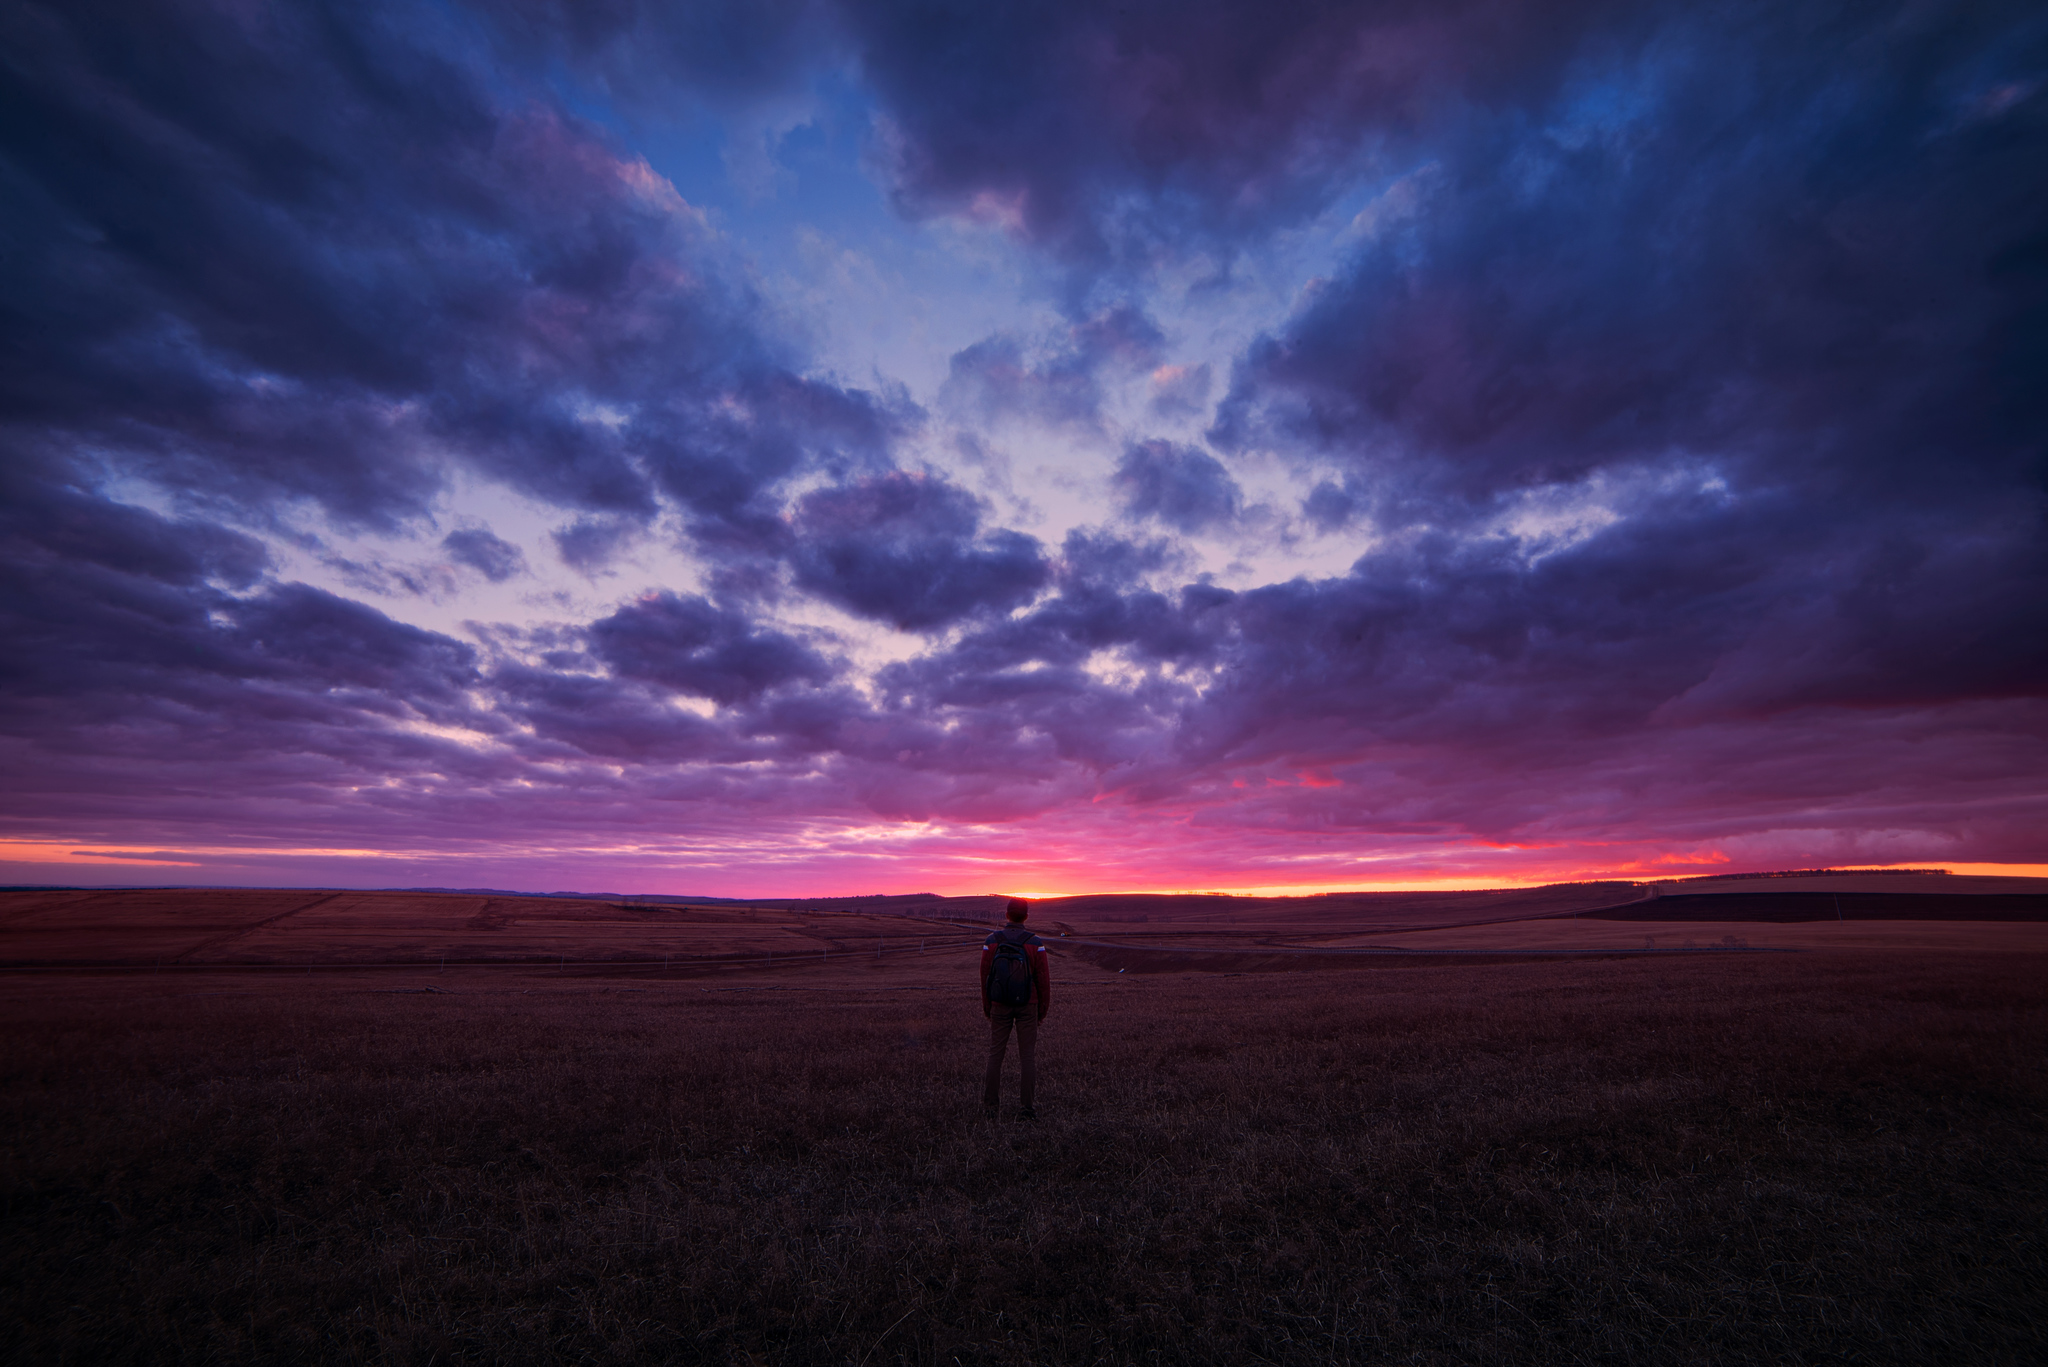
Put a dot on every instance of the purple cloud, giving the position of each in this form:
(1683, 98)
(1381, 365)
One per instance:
(287, 261)
(908, 550)
(590, 543)
(1060, 385)
(1180, 486)
(693, 646)
(1180, 391)
(1111, 134)
(491, 556)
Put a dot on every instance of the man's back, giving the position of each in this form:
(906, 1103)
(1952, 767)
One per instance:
(1010, 967)
(1016, 991)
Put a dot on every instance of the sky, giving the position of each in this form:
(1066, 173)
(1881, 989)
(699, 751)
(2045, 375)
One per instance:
(816, 447)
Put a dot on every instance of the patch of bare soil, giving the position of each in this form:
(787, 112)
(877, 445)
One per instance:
(1896, 883)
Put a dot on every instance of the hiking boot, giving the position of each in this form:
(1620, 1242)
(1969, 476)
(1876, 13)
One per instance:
(1027, 1114)
(988, 1113)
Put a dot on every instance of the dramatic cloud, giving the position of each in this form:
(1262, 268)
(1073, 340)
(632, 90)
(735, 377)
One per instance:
(1178, 485)
(904, 549)
(493, 557)
(1114, 132)
(315, 260)
(843, 446)
(692, 646)
(1786, 353)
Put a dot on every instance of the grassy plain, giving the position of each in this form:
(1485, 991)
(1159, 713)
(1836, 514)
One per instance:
(189, 928)
(1823, 1157)
(183, 928)
(2025, 937)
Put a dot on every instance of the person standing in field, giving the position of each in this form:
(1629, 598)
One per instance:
(1016, 991)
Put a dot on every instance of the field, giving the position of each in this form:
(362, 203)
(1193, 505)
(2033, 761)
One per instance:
(1831, 1155)
(183, 929)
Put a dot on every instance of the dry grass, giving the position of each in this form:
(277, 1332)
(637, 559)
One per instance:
(1845, 905)
(1804, 1159)
(197, 927)
(1574, 934)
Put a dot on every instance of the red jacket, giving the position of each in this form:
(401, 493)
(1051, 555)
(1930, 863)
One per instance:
(1041, 972)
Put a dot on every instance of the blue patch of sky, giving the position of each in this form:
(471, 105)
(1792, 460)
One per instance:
(873, 297)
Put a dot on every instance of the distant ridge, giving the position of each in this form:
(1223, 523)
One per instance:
(1797, 873)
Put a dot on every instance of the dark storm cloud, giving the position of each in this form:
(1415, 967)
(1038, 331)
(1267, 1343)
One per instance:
(495, 558)
(1185, 488)
(722, 461)
(908, 550)
(577, 715)
(1099, 603)
(1460, 662)
(694, 646)
(293, 256)
(1094, 556)
(133, 656)
(100, 597)
(1330, 505)
(312, 638)
(1791, 253)
(1802, 293)
(1733, 253)
(288, 257)
(589, 544)
(1106, 131)
(145, 630)
(722, 51)
(43, 523)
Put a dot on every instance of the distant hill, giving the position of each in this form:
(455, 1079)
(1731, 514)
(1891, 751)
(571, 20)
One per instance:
(1826, 906)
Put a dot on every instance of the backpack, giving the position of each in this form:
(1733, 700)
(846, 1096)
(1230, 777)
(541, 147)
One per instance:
(1010, 976)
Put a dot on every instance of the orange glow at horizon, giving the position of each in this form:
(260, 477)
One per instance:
(37, 852)
(937, 862)
(1472, 883)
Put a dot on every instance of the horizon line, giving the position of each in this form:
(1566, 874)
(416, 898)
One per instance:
(1303, 891)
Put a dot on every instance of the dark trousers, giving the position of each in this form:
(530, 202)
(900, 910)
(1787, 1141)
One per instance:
(1025, 1019)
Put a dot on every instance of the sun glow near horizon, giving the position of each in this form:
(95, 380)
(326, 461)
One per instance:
(649, 871)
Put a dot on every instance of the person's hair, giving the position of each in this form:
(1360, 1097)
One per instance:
(1019, 909)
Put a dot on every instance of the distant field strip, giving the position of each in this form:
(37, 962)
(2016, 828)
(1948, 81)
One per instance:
(306, 929)
(1151, 958)
(674, 963)
(1830, 906)
(254, 926)
(196, 927)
